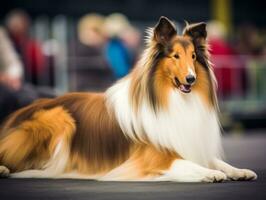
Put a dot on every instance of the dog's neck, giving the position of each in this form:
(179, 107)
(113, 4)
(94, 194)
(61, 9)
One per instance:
(187, 127)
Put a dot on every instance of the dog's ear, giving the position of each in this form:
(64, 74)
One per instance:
(164, 30)
(197, 32)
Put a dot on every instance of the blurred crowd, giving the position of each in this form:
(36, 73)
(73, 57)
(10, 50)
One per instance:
(102, 50)
(21, 62)
(239, 58)
(97, 50)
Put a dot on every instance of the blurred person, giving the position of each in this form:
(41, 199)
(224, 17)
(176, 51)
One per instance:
(11, 71)
(228, 66)
(87, 54)
(217, 39)
(248, 40)
(132, 40)
(121, 35)
(249, 44)
(13, 94)
(29, 49)
(90, 30)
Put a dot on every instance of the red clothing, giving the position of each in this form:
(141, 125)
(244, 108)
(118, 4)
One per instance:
(220, 47)
(32, 57)
(228, 68)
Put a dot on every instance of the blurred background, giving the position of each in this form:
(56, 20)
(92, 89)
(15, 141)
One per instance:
(49, 47)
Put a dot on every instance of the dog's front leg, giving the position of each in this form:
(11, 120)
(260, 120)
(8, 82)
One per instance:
(188, 171)
(234, 173)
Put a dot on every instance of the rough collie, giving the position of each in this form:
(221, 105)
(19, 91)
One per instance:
(157, 124)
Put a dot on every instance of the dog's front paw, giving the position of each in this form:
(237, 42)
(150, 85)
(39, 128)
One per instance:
(4, 172)
(241, 175)
(214, 176)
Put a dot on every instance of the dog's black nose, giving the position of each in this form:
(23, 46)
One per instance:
(190, 79)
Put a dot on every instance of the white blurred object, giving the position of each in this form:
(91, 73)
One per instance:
(90, 30)
(59, 32)
(115, 24)
(131, 37)
(51, 47)
(118, 25)
(10, 64)
(216, 30)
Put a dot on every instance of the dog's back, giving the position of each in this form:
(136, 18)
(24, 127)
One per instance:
(76, 125)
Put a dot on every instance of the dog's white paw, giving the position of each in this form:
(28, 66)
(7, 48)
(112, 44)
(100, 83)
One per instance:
(214, 176)
(4, 172)
(241, 174)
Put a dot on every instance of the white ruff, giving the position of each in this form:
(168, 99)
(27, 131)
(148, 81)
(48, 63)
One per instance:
(188, 127)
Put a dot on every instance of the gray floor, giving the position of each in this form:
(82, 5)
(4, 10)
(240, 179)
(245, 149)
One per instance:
(244, 151)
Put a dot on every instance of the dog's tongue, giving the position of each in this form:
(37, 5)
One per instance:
(185, 88)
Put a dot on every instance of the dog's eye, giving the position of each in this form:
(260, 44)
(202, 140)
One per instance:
(193, 56)
(176, 56)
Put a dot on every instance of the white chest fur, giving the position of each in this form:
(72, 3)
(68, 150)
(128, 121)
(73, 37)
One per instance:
(188, 127)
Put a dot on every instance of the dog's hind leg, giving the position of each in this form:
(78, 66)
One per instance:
(52, 169)
(4, 171)
(39, 146)
(33, 173)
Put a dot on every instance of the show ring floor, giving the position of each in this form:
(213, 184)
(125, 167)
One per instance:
(247, 151)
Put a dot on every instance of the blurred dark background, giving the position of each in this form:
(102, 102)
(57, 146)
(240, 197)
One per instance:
(49, 47)
(140, 10)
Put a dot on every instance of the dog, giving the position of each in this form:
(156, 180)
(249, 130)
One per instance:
(159, 123)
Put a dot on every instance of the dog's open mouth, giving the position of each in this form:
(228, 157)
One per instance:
(182, 87)
(185, 88)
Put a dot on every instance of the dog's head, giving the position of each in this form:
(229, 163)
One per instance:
(179, 53)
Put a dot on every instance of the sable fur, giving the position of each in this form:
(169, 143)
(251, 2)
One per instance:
(31, 144)
(91, 143)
